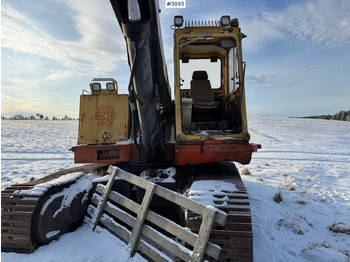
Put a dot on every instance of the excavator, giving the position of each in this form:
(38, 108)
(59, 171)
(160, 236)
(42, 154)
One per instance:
(201, 132)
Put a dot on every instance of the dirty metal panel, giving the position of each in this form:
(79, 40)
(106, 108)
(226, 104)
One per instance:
(103, 119)
(208, 151)
(105, 153)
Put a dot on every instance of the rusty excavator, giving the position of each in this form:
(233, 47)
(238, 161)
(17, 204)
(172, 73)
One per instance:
(200, 133)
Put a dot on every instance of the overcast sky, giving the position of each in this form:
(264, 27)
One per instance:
(297, 52)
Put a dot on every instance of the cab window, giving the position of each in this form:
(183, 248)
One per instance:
(210, 65)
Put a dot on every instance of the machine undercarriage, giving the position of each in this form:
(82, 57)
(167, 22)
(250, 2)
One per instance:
(35, 213)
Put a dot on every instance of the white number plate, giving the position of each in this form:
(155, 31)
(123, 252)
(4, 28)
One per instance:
(175, 3)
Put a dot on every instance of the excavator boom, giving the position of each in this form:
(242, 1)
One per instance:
(149, 89)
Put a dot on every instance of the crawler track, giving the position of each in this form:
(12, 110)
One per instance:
(20, 213)
(235, 239)
(22, 233)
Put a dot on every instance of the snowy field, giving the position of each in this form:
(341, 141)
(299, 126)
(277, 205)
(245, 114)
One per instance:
(306, 161)
(35, 148)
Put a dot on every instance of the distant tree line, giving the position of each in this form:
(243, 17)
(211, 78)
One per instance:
(38, 116)
(342, 115)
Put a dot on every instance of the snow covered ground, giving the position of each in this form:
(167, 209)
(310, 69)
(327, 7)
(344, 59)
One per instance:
(35, 148)
(306, 161)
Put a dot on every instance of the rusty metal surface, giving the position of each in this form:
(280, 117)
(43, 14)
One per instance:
(236, 238)
(209, 151)
(114, 153)
(105, 153)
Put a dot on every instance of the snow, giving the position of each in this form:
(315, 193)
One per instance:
(40, 189)
(81, 245)
(33, 149)
(204, 191)
(307, 161)
(52, 233)
(84, 184)
(103, 179)
(159, 175)
(127, 142)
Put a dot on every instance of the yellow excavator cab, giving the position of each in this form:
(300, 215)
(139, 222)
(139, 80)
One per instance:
(209, 80)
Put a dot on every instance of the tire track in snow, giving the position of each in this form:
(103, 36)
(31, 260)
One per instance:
(264, 135)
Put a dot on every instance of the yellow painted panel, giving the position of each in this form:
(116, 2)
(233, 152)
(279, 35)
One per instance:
(103, 119)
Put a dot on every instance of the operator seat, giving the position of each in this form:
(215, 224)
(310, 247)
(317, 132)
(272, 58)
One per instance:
(202, 94)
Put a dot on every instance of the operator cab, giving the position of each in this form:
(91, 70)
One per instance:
(209, 71)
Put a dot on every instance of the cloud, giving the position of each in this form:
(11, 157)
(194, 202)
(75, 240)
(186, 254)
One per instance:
(322, 22)
(308, 22)
(263, 78)
(99, 49)
(315, 22)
